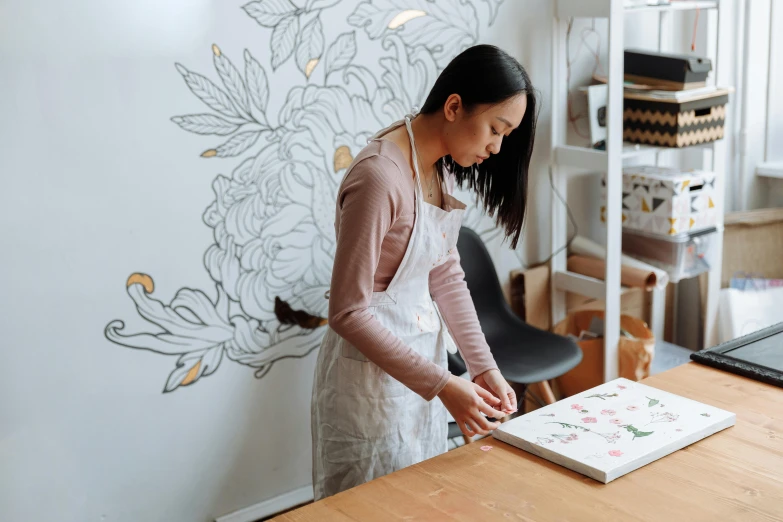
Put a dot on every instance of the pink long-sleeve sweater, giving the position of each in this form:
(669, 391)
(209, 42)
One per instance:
(373, 224)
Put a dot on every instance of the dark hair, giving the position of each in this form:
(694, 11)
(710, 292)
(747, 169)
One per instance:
(485, 74)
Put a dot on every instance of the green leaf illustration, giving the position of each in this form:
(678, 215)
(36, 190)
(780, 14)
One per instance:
(653, 402)
(566, 425)
(636, 433)
(601, 396)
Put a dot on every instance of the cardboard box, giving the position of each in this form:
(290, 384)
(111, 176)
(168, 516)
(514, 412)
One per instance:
(530, 291)
(530, 299)
(530, 296)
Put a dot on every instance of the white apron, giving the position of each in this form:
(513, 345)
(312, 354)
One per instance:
(365, 423)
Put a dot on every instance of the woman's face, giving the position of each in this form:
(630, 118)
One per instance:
(472, 135)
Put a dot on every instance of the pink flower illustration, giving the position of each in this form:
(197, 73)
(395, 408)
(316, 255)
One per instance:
(608, 412)
(589, 420)
(621, 386)
(563, 438)
(576, 406)
(632, 408)
(573, 436)
(616, 453)
(616, 421)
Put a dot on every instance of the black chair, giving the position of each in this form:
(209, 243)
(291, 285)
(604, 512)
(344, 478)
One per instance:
(525, 355)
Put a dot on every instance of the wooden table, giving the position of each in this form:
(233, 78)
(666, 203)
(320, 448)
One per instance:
(736, 474)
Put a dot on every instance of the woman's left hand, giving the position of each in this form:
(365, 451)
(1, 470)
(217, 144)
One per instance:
(494, 383)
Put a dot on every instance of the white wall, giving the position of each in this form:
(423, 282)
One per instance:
(760, 130)
(774, 141)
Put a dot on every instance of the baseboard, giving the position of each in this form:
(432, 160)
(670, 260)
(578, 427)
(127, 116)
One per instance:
(271, 506)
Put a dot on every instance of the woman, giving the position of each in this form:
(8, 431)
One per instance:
(398, 293)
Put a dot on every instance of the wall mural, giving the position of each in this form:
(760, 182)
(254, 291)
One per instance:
(273, 217)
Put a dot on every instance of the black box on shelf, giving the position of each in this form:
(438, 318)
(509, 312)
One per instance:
(677, 120)
(666, 70)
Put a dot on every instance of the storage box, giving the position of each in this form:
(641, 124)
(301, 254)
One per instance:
(666, 201)
(753, 244)
(683, 256)
(666, 70)
(679, 119)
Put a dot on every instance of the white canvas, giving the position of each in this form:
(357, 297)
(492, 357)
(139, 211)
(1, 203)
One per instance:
(614, 428)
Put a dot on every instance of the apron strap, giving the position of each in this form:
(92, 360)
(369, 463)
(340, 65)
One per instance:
(390, 295)
(415, 156)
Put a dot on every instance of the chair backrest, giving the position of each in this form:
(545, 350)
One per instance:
(480, 274)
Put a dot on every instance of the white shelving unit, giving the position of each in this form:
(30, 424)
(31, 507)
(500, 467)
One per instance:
(566, 160)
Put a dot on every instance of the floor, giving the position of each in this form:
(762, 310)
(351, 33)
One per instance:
(270, 517)
(667, 356)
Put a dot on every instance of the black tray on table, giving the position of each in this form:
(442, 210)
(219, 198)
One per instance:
(758, 355)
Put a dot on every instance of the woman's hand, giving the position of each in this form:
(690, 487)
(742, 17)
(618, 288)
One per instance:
(493, 382)
(466, 401)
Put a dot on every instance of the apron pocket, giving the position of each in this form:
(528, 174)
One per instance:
(349, 351)
(368, 400)
(365, 378)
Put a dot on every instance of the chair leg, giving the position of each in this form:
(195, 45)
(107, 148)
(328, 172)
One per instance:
(546, 392)
(530, 399)
(530, 394)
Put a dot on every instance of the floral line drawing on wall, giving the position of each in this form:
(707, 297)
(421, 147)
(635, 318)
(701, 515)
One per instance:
(272, 217)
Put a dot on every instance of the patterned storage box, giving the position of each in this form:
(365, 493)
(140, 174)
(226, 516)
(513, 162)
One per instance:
(675, 122)
(666, 201)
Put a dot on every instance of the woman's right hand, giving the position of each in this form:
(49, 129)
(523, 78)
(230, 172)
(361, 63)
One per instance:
(466, 401)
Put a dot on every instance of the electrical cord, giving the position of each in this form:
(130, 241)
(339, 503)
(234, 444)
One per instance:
(571, 218)
(573, 118)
